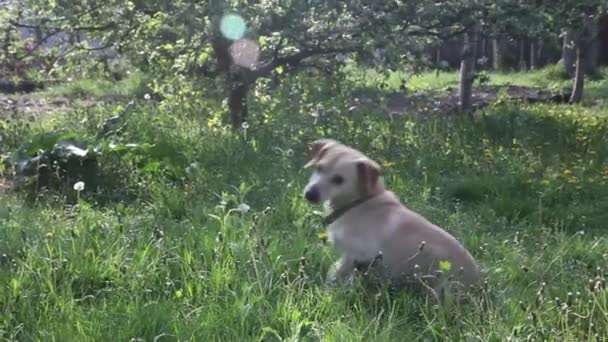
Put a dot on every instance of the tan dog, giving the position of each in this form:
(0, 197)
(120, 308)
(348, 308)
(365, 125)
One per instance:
(368, 222)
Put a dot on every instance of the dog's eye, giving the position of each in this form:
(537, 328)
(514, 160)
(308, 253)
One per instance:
(319, 168)
(337, 180)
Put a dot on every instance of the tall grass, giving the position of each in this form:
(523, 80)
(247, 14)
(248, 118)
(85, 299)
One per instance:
(206, 235)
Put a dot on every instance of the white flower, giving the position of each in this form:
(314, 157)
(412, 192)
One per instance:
(192, 167)
(79, 186)
(243, 207)
(147, 97)
(245, 125)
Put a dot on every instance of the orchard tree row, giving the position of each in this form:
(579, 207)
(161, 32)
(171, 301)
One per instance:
(236, 43)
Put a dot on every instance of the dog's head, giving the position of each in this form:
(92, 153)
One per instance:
(340, 174)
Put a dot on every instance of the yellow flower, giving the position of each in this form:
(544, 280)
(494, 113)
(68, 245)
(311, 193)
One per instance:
(323, 236)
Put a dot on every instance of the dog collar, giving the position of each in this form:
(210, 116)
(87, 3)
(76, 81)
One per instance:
(336, 214)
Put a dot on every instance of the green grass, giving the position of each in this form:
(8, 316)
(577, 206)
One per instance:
(163, 252)
(548, 77)
(134, 84)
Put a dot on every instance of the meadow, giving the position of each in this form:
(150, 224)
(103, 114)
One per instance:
(193, 232)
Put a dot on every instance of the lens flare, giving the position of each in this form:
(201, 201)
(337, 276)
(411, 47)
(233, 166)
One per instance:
(245, 52)
(232, 27)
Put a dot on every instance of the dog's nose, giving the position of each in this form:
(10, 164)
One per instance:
(312, 195)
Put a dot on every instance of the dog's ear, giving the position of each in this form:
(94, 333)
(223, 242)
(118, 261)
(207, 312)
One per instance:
(368, 172)
(317, 149)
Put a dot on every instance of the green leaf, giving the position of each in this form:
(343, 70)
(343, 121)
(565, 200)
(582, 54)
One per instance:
(153, 166)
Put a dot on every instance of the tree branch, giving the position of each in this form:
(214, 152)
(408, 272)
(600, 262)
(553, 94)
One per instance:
(110, 44)
(265, 68)
(37, 45)
(77, 28)
(428, 31)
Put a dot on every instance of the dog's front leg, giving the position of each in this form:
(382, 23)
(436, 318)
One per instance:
(341, 271)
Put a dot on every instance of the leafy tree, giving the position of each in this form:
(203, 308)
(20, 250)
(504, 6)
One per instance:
(240, 42)
(580, 20)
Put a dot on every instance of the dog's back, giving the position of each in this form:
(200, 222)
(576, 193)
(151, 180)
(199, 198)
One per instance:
(412, 248)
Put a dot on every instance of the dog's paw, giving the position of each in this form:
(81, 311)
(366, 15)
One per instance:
(336, 278)
(339, 282)
(332, 277)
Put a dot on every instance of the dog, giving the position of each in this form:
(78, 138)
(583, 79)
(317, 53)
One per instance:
(368, 224)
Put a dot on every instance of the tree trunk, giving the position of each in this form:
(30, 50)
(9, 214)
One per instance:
(238, 91)
(483, 51)
(568, 53)
(6, 42)
(497, 54)
(522, 55)
(593, 49)
(237, 81)
(579, 77)
(437, 60)
(533, 54)
(539, 52)
(467, 69)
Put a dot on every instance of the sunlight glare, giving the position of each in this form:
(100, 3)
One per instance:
(245, 52)
(232, 27)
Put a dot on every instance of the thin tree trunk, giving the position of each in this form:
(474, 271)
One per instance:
(522, 55)
(497, 54)
(533, 54)
(437, 60)
(6, 42)
(593, 49)
(579, 77)
(568, 53)
(483, 60)
(539, 53)
(467, 69)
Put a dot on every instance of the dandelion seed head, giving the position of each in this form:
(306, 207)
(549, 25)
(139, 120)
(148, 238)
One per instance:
(78, 186)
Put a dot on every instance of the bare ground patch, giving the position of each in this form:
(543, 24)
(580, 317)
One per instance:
(445, 102)
(33, 106)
